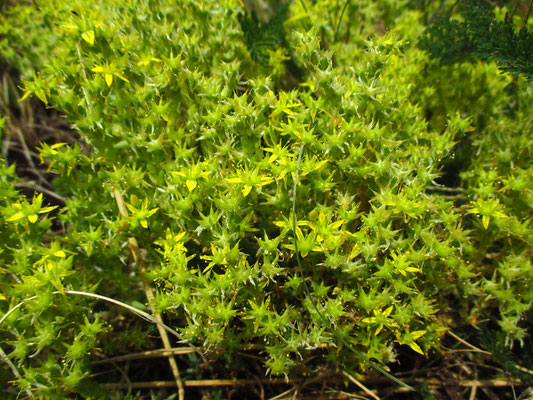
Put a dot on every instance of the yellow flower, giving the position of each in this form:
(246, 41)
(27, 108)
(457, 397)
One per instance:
(109, 70)
(487, 209)
(88, 36)
(250, 179)
(409, 338)
(381, 318)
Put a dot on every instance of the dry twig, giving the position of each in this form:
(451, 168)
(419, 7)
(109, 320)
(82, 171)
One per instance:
(136, 254)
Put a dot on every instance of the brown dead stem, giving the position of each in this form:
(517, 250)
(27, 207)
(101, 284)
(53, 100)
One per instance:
(137, 258)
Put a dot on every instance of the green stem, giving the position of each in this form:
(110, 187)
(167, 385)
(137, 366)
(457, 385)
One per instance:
(339, 21)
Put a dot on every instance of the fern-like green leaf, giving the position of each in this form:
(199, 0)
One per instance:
(263, 38)
(481, 37)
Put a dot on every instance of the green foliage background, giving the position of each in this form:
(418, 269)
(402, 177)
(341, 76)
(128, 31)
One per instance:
(202, 140)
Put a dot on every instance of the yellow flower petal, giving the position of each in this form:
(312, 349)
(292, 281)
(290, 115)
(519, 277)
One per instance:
(415, 347)
(191, 185)
(88, 36)
(60, 253)
(335, 225)
(121, 76)
(500, 214)
(153, 211)
(41, 95)
(246, 190)
(144, 223)
(418, 334)
(355, 251)
(33, 218)
(486, 220)
(25, 96)
(265, 181)
(69, 27)
(15, 217)
(234, 180)
(320, 164)
(108, 79)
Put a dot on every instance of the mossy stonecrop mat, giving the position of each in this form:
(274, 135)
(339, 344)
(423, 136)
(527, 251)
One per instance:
(203, 140)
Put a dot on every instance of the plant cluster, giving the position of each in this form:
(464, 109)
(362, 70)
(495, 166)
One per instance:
(204, 138)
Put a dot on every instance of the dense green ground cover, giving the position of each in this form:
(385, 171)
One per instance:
(318, 188)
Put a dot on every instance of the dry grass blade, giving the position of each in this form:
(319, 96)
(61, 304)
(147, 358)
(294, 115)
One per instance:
(134, 249)
(200, 383)
(38, 188)
(361, 386)
(284, 394)
(134, 310)
(147, 354)
(478, 350)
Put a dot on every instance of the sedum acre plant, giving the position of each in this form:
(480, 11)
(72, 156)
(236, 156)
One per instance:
(294, 202)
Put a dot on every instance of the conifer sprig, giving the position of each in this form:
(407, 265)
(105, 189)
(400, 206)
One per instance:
(480, 36)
